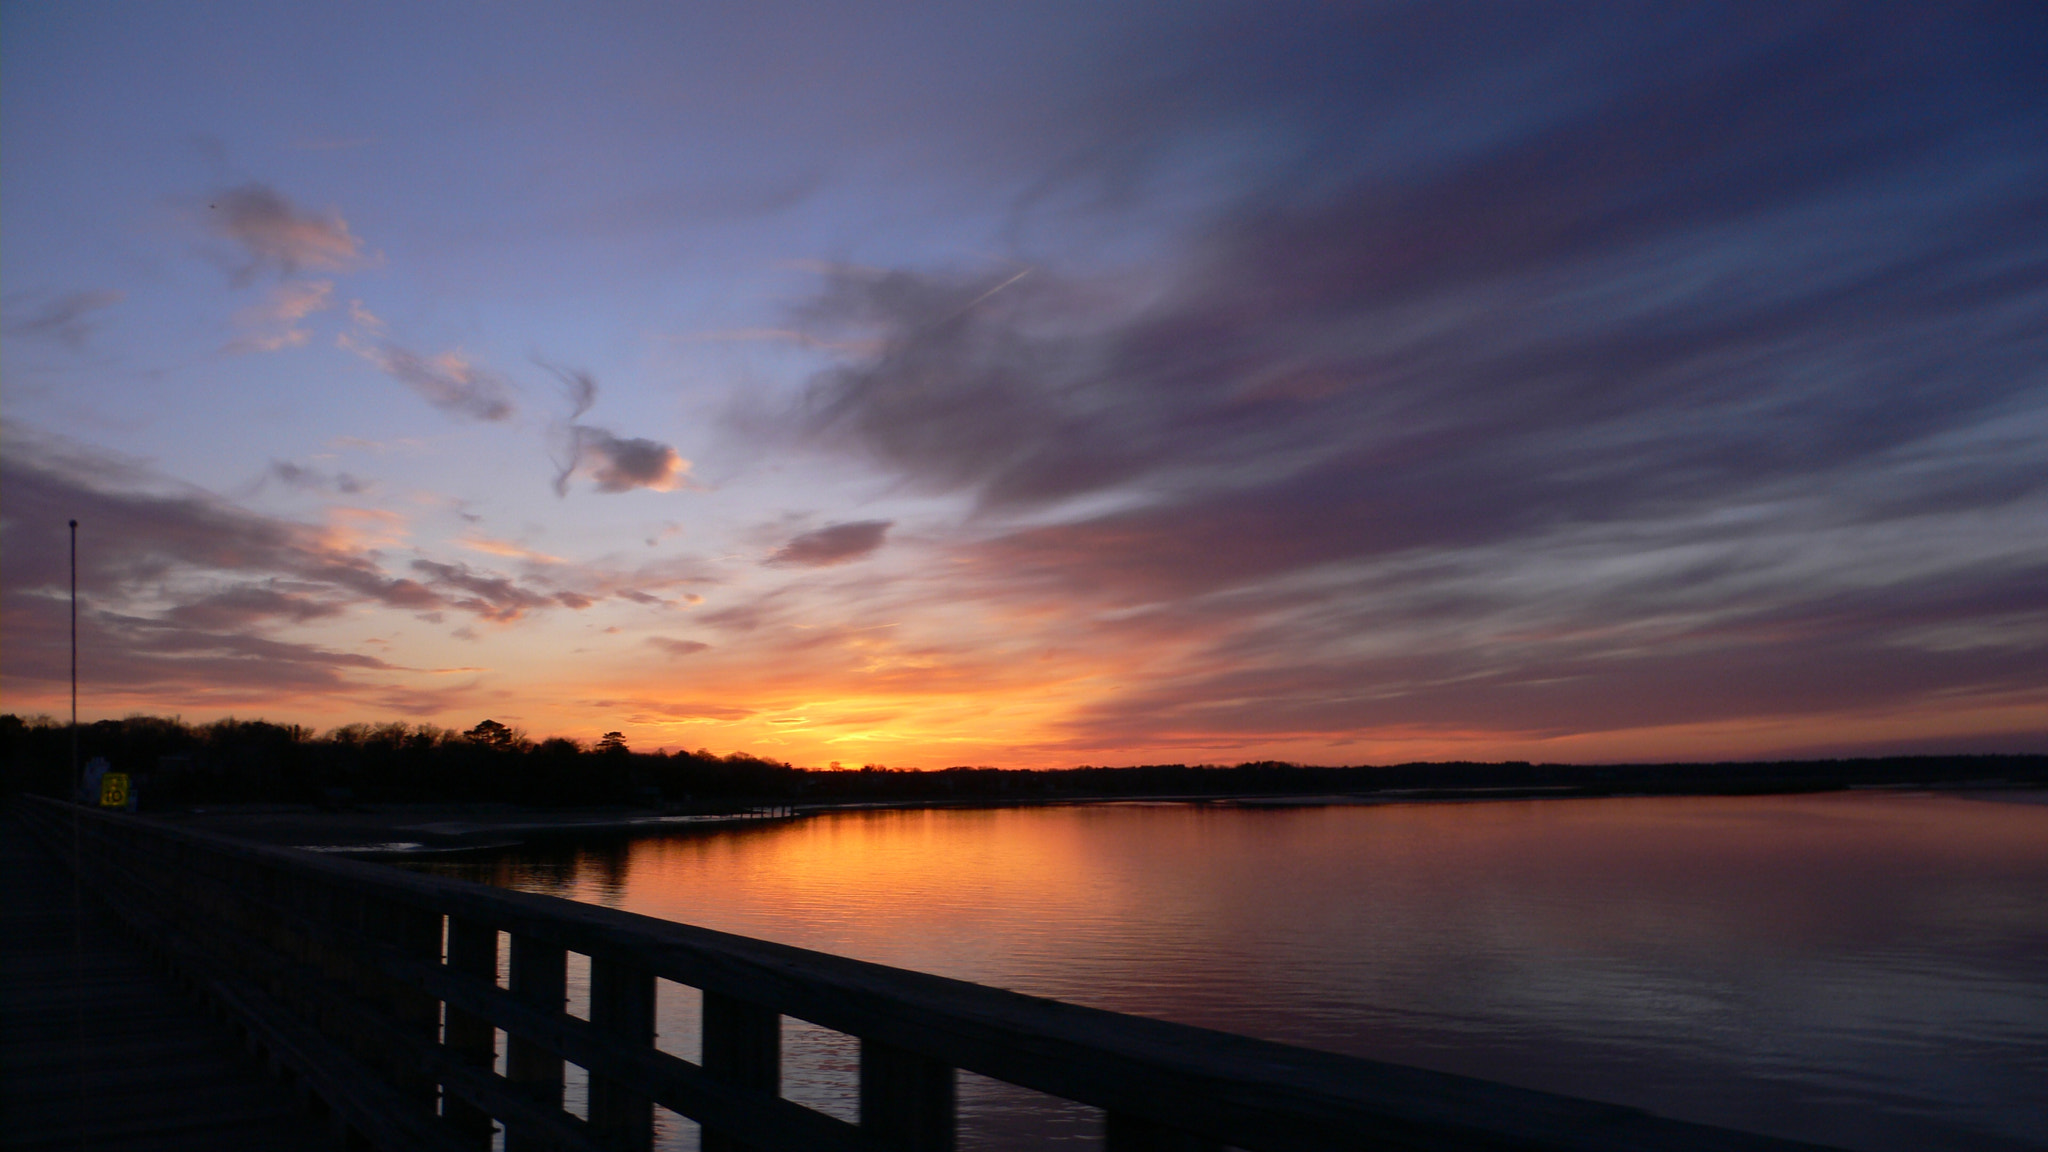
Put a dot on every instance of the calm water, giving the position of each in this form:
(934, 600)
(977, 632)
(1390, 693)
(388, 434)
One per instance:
(1865, 970)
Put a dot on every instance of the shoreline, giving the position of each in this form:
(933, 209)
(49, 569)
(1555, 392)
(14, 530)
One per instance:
(403, 832)
(398, 832)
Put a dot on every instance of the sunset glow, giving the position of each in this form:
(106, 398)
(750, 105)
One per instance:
(1036, 385)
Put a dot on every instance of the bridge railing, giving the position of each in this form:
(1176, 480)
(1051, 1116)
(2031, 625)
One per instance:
(376, 990)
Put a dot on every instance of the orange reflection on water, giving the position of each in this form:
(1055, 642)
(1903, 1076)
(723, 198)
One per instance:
(912, 888)
(1855, 969)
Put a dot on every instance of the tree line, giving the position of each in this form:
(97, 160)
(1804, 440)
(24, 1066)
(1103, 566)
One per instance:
(240, 761)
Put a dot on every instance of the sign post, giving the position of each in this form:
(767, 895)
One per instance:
(89, 790)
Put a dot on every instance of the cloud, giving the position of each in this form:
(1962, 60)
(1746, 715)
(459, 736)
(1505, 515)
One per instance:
(365, 320)
(183, 591)
(273, 324)
(579, 387)
(1626, 290)
(678, 648)
(447, 381)
(205, 669)
(493, 598)
(424, 702)
(654, 585)
(313, 480)
(133, 528)
(615, 463)
(836, 544)
(956, 393)
(67, 318)
(275, 236)
(177, 587)
(669, 711)
(246, 604)
(1506, 375)
(363, 530)
(492, 547)
(636, 596)
(618, 464)
(1246, 686)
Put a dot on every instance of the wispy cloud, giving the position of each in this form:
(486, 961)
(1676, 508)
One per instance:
(1641, 285)
(313, 480)
(274, 323)
(506, 548)
(1411, 420)
(246, 604)
(274, 236)
(448, 381)
(835, 544)
(658, 712)
(492, 597)
(179, 588)
(182, 589)
(776, 336)
(677, 648)
(363, 530)
(614, 463)
(69, 318)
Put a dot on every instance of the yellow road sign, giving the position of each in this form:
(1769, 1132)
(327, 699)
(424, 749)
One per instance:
(114, 790)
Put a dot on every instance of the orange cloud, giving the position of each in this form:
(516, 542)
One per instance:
(273, 324)
(447, 381)
(485, 544)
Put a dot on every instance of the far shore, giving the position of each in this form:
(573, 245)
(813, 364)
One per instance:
(391, 831)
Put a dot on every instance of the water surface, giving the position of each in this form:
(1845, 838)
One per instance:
(1868, 970)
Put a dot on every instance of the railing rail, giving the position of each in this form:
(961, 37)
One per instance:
(376, 988)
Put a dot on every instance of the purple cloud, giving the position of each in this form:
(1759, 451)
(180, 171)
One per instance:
(276, 236)
(677, 648)
(1493, 308)
(448, 381)
(68, 318)
(619, 464)
(836, 544)
(616, 463)
(181, 588)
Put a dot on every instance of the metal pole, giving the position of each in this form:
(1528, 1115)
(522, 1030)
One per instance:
(77, 781)
(77, 846)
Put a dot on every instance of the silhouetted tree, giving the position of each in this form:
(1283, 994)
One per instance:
(491, 734)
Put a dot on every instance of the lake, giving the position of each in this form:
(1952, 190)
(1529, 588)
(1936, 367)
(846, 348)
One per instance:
(1862, 969)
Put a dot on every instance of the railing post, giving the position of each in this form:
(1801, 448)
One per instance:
(332, 907)
(742, 1046)
(1123, 1132)
(540, 976)
(906, 1100)
(472, 952)
(622, 1012)
(415, 934)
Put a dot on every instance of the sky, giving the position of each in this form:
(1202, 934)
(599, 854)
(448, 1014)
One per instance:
(1036, 384)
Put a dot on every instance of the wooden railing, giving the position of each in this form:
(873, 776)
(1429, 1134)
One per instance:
(375, 990)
